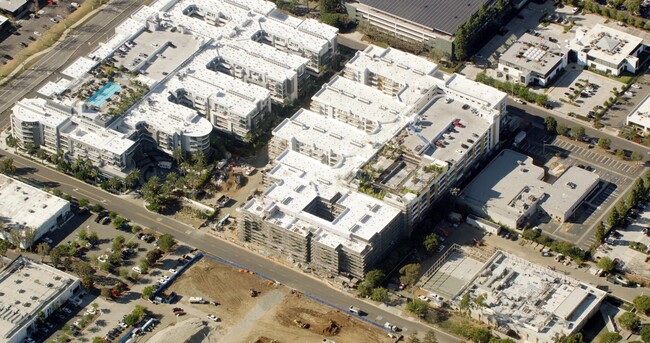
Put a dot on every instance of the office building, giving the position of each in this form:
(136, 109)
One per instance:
(533, 60)
(29, 212)
(28, 289)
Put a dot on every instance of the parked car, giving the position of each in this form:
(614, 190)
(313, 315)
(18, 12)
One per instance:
(391, 327)
(214, 318)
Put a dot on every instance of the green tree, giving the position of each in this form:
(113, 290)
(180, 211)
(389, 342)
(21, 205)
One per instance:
(628, 320)
(431, 243)
(620, 153)
(613, 218)
(379, 294)
(606, 264)
(418, 307)
(562, 129)
(645, 333)
(7, 166)
(550, 123)
(374, 277)
(600, 232)
(604, 143)
(610, 337)
(166, 242)
(83, 203)
(642, 303)
(4, 247)
(148, 291)
(577, 132)
(97, 208)
(105, 293)
(481, 335)
(636, 156)
(132, 178)
(55, 257)
(409, 273)
(364, 290)
(119, 222)
(43, 249)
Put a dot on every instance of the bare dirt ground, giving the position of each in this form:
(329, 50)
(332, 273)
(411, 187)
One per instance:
(273, 316)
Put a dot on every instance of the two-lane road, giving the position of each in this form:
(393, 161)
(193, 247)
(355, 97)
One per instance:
(305, 283)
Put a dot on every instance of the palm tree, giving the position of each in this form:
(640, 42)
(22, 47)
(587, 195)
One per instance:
(132, 178)
(177, 155)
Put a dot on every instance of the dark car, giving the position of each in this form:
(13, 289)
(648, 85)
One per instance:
(23, 44)
(32, 39)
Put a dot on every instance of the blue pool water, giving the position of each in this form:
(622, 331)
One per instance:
(103, 94)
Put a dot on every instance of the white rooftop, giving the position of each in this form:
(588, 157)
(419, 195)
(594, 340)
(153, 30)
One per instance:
(102, 138)
(168, 117)
(302, 181)
(533, 300)
(568, 189)
(641, 115)
(414, 74)
(363, 101)
(534, 53)
(476, 92)
(79, 67)
(27, 287)
(26, 205)
(37, 110)
(606, 43)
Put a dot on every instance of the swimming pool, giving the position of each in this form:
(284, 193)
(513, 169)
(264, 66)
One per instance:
(103, 94)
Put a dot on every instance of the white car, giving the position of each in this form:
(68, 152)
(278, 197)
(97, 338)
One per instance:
(635, 86)
(519, 101)
(391, 327)
(102, 258)
(29, 340)
(91, 310)
(172, 270)
(66, 310)
(48, 240)
(214, 318)
(137, 270)
(628, 93)
(423, 298)
(441, 248)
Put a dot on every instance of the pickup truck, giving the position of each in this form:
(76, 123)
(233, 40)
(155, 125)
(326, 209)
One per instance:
(354, 309)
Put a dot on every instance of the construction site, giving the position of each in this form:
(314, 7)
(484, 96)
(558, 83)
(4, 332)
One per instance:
(245, 307)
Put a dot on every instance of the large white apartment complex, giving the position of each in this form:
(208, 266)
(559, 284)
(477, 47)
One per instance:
(207, 64)
(30, 289)
(352, 174)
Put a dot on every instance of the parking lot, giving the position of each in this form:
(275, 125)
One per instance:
(32, 28)
(575, 78)
(617, 245)
(615, 175)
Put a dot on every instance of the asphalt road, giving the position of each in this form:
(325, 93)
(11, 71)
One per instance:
(81, 42)
(537, 115)
(46, 177)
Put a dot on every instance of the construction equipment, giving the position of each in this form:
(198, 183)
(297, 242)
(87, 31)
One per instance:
(253, 292)
(301, 324)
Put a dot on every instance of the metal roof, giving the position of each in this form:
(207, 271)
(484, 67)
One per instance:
(441, 15)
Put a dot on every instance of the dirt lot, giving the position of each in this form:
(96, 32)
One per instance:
(272, 316)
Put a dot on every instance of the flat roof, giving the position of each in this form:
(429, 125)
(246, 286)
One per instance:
(3, 19)
(79, 67)
(38, 110)
(534, 53)
(532, 299)
(511, 183)
(490, 97)
(435, 135)
(303, 180)
(606, 43)
(506, 184)
(102, 138)
(27, 288)
(26, 205)
(441, 15)
(11, 5)
(641, 115)
(415, 75)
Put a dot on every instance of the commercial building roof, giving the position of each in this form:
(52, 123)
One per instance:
(441, 15)
(475, 92)
(22, 204)
(532, 300)
(606, 44)
(79, 67)
(641, 115)
(511, 184)
(12, 6)
(102, 138)
(3, 19)
(27, 288)
(534, 53)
